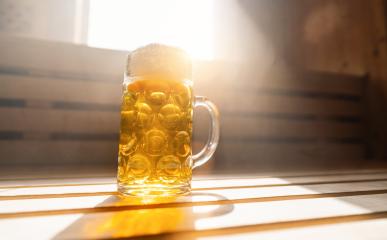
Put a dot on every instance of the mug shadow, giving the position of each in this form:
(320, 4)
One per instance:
(150, 215)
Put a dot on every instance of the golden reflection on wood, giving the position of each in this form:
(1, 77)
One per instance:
(134, 223)
(139, 222)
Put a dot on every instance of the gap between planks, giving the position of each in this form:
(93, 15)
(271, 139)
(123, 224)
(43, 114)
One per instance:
(187, 204)
(192, 234)
(106, 193)
(368, 172)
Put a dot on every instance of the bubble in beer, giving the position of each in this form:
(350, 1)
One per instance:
(157, 98)
(155, 142)
(128, 119)
(168, 168)
(182, 96)
(170, 116)
(129, 145)
(139, 167)
(128, 100)
(157, 92)
(144, 114)
(182, 144)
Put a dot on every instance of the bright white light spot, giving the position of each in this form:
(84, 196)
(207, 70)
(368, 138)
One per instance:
(128, 24)
(204, 209)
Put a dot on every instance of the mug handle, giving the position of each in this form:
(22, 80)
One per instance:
(206, 153)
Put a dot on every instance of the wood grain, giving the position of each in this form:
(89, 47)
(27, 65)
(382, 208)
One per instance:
(88, 200)
(356, 228)
(72, 121)
(39, 57)
(60, 89)
(105, 186)
(266, 155)
(59, 152)
(199, 218)
(55, 120)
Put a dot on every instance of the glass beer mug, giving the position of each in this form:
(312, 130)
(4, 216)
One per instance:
(155, 156)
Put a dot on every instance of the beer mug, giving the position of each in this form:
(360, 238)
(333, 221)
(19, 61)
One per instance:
(155, 152)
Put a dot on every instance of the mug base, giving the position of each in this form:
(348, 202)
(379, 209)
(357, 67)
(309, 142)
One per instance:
(153, 190)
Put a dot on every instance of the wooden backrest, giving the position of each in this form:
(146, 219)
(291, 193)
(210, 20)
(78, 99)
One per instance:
(59, 105)
(299, 119)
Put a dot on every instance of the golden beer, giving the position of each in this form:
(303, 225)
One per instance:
(155, 137)
(154, 154)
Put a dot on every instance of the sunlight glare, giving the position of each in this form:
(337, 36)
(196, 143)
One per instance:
(126, 25)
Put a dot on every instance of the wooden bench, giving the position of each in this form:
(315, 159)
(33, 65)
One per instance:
(59, 106)
(311, 205)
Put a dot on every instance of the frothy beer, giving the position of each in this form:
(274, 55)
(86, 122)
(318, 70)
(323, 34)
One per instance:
(156, 119)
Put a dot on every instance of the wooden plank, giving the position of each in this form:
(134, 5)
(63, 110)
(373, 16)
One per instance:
(61, 181)
(284, 181)
(54, 120)
(58, 152)
(39, 57)
(83, 201)
(250, 153)
(220, 74)
(320, 83)
(214, 180)
(234, 126)
(198, 218)
(109, 93)
(42, 178)
(243, 154)
(248, 103)
(375, 229)
(28, 87)
(108, 185)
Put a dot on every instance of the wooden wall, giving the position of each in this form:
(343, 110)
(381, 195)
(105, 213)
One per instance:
(299, 84)
(301, 120)
(350, 37)
(334, 36)
(59, 106)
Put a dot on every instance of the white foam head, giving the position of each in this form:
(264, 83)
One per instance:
(159, 60)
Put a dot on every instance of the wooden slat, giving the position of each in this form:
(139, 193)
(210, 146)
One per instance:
(42, 177)
(63, 149)
(319, 82)
(59, 152)
(60, 181)
(85, 200)
(66, 90)
(355, 229)
(220, 74)
(248, 103)
(46, 55)
(189, 219)
(57, 89)
(272, 155)
(255, 154)
(36, 56)
(106, 186)
(234, 126)
(199, 180)
(54, 120)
